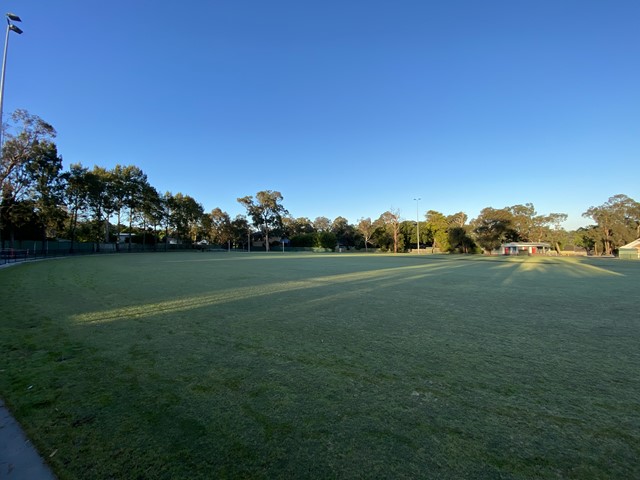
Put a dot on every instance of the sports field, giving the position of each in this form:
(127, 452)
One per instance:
(218, 365)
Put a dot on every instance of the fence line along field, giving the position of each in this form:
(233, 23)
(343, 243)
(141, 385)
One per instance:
(222, 365)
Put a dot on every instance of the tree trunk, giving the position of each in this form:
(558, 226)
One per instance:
(130, 232)
(118, 233)
(74, 223)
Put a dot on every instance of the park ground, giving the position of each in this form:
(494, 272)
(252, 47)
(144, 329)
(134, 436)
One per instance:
(223, 365)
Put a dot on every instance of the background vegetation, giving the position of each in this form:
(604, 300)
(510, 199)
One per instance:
(40, 200)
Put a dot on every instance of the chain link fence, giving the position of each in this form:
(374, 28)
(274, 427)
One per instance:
(23, 251)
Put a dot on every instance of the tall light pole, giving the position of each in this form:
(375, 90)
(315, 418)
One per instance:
(417, 223)
(10, 28)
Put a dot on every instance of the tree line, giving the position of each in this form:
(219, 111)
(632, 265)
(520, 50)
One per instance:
(41, 201)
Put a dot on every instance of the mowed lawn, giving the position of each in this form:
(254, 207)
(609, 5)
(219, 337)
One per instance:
(218, 365)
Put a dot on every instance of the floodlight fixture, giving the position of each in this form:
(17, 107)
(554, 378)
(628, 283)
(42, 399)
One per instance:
(13, 28)
(13, 17)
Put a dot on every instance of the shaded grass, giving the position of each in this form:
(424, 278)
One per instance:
(333, 366)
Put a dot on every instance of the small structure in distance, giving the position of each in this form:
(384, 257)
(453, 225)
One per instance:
(525, 248)
(630, 251)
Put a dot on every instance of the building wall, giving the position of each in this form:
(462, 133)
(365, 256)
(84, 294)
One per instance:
(629, 253)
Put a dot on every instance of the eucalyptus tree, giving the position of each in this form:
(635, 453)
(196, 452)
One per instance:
(152, 211)
(296, 226)
(587, 238)
(553, 231)
(221, 230)
(135, 186)
(165, 215)
(266, 211)
(322, 224)
(46, 190)
(345, 232)
(100, 202)
(459, 239)
(18, 147)
(127, 187)
(38, 200)
(326, 239)
(408, 232)
(391, 221)
(118, 191)
(76, 196)
(618, 221)
(493, 227)
(184, 215)
(437, 227)
(366, 228)
(241, 230)
(29, 171)
(524, 220)
(299, 231)
(533, 227)
(458, 236)
(458, 219)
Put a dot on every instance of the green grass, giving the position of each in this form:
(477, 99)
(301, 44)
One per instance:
(215, 365)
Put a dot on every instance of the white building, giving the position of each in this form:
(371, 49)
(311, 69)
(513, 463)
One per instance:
(524, 248)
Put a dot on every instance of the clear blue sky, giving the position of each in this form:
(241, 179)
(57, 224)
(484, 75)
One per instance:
(346, 107)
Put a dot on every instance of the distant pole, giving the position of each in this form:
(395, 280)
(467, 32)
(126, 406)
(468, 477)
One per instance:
(248, 241)
(10, 28)
(417, 223)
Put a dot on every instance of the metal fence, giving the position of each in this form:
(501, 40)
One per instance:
(23, 251)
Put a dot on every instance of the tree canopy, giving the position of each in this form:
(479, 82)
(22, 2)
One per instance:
(266, 211)
(40, 199)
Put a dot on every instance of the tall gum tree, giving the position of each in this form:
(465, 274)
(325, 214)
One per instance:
(266, 211)
(493, 227)
(366, 228)
(29, 167)
(618, 221)
(391, 220)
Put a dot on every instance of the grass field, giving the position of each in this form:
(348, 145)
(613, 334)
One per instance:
(217, 365)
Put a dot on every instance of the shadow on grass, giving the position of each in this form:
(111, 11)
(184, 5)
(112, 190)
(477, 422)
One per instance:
(389, 276)
(385, 367)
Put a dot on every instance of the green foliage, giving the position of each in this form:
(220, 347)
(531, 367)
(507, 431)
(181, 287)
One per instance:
(460, 241)
(30, 178)
(587, 238)
(326, 240)
(184, 215)
(296, 226)
(618, 221)
(437, 226)
(366, 228)
(494, 227)
(266, 211)
(345, 233)
(390, 221)
(220, 227)
(39, 200)
(306, 240)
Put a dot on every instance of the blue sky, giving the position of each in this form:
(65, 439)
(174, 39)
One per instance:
(347, 108)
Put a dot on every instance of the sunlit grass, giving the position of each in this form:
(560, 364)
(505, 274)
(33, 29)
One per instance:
(325, 366)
